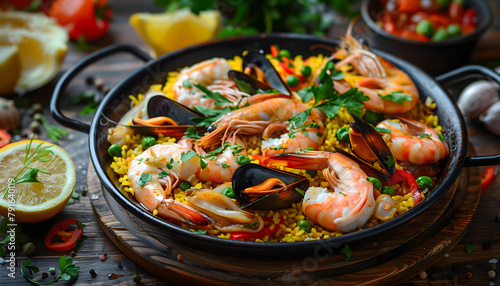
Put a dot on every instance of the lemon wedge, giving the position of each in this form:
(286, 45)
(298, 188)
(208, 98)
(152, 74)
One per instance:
(41, 45)
(10, 68)
(167, 32)
(35, 202)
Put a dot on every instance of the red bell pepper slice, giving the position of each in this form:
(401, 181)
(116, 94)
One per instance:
(400, 177)
(274, 51)
(288, 70)
(487, 178)
(60, 238)
(260, 234)
(4, 138)
(455, 11)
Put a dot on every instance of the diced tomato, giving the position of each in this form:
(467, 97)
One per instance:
(469, 21)
(409, 6)
(455, 11)
(60, 238)
(274, 51)
(439, 20)
(4, 138)
(487, 178)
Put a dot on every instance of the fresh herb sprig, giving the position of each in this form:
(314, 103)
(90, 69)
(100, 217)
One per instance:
(327, 99)
(41, 154)
(397, 96)
(55, 133)
(66, 266)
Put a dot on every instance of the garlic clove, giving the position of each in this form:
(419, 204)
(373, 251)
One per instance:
(491, 118)
(477, 97)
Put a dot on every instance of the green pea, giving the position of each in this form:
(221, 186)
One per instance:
(343, 134)
(229, 192)
(242, 159)
(453, 30)
(388, 190)
(184, 185)
(147, 142)
(285, 53)
(377, 184)
(115, 151)
(424, 182)
(373, 117)
(292, 80)
(305, 225)
(425, 27)
(443, 3)
(306, 70)
(440, 35)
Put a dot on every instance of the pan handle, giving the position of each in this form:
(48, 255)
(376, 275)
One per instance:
(453, 76)
(67, 77)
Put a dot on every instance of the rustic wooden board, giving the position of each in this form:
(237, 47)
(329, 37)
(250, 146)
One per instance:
(390, 258)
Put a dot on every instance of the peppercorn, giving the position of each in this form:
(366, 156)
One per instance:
(180, 258)
(45, 275)
(92, 273)
(422, 275)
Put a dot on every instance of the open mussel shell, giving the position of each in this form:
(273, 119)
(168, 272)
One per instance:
(250, 175)
(248, 84)
(375, 144)
(254, 60)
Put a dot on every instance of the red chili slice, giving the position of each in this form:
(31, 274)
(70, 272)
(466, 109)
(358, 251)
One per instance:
(4, 138)
(60, 232)
(487, 178)
(400, 177)
(253, 235)
(274, 51)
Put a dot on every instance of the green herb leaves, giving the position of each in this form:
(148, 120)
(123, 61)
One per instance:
(144, 179)
(66, 266)
(398, 97)
(30, 176)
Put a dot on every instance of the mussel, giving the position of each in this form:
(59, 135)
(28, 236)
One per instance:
(258, 66)
(277, 194)
(369, 145)
(248, 84)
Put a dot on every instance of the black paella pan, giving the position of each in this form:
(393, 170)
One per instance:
(117, 103)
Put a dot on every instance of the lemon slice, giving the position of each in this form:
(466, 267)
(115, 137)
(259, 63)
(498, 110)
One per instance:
(10, 68)
(167, 32)
(41, 44)
(35, 202)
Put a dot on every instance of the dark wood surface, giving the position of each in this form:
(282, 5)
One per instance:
(457, 267)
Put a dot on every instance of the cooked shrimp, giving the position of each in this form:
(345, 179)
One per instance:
(252, 119)
(213, 75)
(310, 138)
(414, 142)
(347, 204)
(381, 78)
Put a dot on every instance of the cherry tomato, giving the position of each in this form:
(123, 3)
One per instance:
(4, 138)
(82, 18)
(66, 238)
(400, 177)
(487, 178)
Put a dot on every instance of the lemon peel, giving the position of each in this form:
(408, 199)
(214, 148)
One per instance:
(166, 32)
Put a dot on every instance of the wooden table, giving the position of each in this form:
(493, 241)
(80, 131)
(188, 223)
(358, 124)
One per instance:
(455, 268)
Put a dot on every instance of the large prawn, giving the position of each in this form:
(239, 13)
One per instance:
(155, 173)
(347, 204)
(252, 119)
(381, 79)
(213, 75)
(414, 142)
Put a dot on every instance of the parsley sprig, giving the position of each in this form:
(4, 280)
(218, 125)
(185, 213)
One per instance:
(397, 97)
(55, 133)
(68, 270)
(327, 99)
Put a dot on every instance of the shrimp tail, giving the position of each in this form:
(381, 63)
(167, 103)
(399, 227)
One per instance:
(312, 160)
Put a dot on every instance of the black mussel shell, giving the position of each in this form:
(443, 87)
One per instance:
(160, 105)
(367, 168)
(248, 84)
(259, 60)
(250, 175)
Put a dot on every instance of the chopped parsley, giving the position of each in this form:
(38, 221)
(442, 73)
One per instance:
(425, 136)
(250, 224)
(219, 98)
(383, 130)
(170, 164)
(397, 97)
(190, 154)
(144, 179)
(300, 191)
(162, 174)
(200, 231)
(390, 161)
(347, 252)
(192, 133)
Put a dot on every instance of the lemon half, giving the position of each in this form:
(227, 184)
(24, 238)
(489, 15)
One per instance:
(10, 68)
(167, 32)
(35, 202)
(41, 45)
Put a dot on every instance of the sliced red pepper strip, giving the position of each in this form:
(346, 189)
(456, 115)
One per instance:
(253, 235)
(487, 178)
(274, 51)
(59, 230)
(290, 71)
(401, 176)
(4, 138)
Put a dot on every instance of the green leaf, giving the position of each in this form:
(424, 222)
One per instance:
(30, 176)
(312, 173)
(162, 174)
(299, 119)
(470, 248)
(192, 133)
(72, 270)
(3, 226)
(90, 108)
(211, 113)
(80, 224)
(306, 93)
(383, 130)
(22, 237)
(187, 156)
(397, 97)
(144, 179)
(78, 244)
(337, 75)
(200, 231)
(65, 276)
(347, 252)
(2, 252)
(62, 263)
(390, 161)
(300, 191)
(219, 98)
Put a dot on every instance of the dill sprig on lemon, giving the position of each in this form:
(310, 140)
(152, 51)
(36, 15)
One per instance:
(48, 179)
